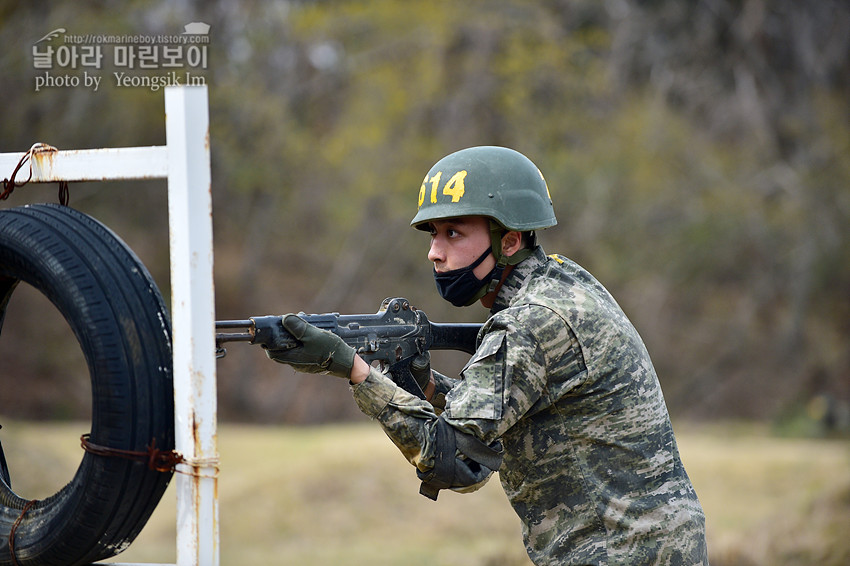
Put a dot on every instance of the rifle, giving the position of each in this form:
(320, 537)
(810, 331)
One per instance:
(393, 336)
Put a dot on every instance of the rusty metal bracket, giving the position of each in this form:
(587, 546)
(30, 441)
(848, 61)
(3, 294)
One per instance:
(35, 152)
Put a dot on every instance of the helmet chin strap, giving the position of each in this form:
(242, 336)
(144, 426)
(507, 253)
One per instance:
(502, 261)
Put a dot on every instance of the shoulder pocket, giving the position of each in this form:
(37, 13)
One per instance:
(479, 395)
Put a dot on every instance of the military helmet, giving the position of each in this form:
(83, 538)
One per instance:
(490, 181)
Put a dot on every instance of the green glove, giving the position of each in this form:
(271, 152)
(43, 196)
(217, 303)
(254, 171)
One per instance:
(420, 369)
(320, 351)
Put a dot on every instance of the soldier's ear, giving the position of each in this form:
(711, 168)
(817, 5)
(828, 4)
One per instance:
(511, 243)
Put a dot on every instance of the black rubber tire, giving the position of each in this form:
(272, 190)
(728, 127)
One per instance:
(119, 318)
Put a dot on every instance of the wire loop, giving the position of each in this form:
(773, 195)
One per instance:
(155, 459)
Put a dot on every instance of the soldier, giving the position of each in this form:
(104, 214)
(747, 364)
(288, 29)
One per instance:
(560, 397)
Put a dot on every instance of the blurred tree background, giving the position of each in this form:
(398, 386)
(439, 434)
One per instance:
(698, 154)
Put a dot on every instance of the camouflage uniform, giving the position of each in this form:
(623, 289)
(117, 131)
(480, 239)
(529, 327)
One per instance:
(563, 379)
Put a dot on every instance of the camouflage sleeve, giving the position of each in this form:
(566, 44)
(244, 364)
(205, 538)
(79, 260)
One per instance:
(407, 420)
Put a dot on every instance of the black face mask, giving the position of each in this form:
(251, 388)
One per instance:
(461, 287)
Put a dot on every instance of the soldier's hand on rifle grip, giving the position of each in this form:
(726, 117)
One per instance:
(319, 351)
(420, 369)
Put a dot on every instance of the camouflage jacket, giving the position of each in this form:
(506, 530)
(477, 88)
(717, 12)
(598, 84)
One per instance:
(562, 377)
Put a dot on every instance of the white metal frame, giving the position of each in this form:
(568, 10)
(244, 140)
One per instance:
(185, 162)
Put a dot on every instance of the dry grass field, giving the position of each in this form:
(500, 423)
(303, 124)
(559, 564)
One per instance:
(342, 494)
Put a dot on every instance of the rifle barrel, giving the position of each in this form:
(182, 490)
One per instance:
(247, 334)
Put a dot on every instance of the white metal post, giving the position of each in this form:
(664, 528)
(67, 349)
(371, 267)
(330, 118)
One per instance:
(193, 322)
